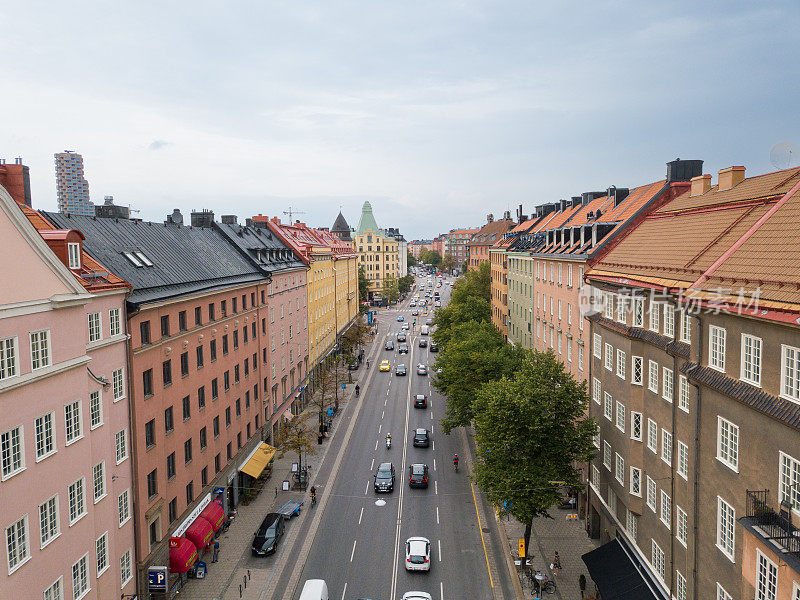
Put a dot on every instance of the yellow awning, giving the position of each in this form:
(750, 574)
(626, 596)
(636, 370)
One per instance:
(260, 459)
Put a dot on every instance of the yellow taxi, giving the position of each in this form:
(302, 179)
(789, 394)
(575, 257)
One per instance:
(385, 366)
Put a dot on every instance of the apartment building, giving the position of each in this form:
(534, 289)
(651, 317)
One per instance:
(72, 188)
(66, 478)
(695, 381)
(345, 267)
(457, 245)
(498, 260)
(377, 252)
(480, 242)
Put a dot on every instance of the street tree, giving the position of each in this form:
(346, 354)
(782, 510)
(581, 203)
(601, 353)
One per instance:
(298, 437)
(471, 310)
(531, 431)
(363, 287)
(431, 257)
(354, 337)
(404, 284)
(324, 396)
(474, 283)
(412, 262)
(447, 263)
(391, 290)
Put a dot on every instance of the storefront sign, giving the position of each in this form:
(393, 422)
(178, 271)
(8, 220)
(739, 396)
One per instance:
(157, 579)
(192, 516)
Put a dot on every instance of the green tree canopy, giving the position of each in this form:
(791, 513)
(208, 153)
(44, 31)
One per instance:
(447, 263)
(412, 262)
(472, 310)
(404, 283)
(431, 257)
(391, 289)
(363, 285)
(474, 283)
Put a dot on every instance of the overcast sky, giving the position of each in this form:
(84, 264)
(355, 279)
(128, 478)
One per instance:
(438, 112)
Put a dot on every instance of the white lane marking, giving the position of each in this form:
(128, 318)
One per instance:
(437, 519)
(362, 514)
(440, 549)
(353, 551)
(376, 445)
(366, 489)
(344, 591)
(382, 413)
(441, 591)
(433, 445)
(435, 487)
(379, 427)
(372, 465)
(434, 464)
(431, 416)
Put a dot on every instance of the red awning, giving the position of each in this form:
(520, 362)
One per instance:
(182, 555)
(214, 514)
(200, 533)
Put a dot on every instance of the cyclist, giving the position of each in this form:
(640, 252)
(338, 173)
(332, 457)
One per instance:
(358, 389)
(313, 495)
(368, 363)
(455, 462)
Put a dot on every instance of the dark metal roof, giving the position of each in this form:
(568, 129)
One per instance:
(262, 247)
(341, 228)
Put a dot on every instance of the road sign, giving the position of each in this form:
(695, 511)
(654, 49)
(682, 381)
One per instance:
(157, 579)
(342, 385)
(522, 546)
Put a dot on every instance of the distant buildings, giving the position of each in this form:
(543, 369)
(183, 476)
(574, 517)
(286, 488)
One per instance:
(378, 252)
(109, 210)
(402, 250)
(417, 247)
(478, 245)
(72, 188)
(455, 244)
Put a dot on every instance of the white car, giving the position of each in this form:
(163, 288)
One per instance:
(405, 326)
(417, 596)
(418, 555)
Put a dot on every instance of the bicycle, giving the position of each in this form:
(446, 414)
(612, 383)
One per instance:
(543, 582)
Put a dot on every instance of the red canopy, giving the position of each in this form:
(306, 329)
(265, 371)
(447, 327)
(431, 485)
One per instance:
(182, 554)
(200, 533)
(214, 514)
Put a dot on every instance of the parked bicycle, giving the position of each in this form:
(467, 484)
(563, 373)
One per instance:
(542, 582)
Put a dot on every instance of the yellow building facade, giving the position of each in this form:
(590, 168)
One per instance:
(377, 252)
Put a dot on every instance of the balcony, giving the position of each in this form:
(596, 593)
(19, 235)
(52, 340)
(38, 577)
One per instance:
(772, 527)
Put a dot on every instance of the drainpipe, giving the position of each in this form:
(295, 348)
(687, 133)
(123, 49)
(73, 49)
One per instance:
(696, 477)
(673, 470)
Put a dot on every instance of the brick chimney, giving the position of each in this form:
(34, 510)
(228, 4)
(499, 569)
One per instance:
(730, 177)
(700, 185)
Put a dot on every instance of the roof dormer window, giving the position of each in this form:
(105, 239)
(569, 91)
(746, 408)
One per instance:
(74, 255)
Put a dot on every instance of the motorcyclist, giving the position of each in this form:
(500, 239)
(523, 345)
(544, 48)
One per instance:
(455, 461)
(388, 438)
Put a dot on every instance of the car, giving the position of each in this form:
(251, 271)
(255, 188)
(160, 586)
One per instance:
(418, 476)
(417, 596)
(423, 343)
(401, 337)
(418, 555)
(420, 401)
(268, 534)
(422, 370)
(400, 370)
(405, 326)
(429, 322)
(402, 348)
(421, 438)
(385, 366)
(389, 345)
(415, 313)
(433, 347)
(400, 319)
(353, 364)
(437, 304)
(412, 304)
(384, 478)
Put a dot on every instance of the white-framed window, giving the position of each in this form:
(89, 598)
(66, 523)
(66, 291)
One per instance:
(621, 363)
(596, 439)
(12, 444)
(622, 306)
(569, 313)
(681, 527)
(124, 507)
(121, 445)
(608, 406)
(612, 502)
(619, 468)
(609, 361)
(686, 327)
(632, 524)
(683, 460)
(651, 493)
(569, 350)
(680, 586)
(654, 316)
(716, 348)
(74, 255)
(666, 509)
(789, 480)
(652, 435)
(636, 426)
(559, 344)
(49, 521)
(683, 393)
(790, 373)
(95, 409)
(658, 560)
(580, 357)
(638, 312)
(18, 550)
(101, 548)
(766, 577)
(8, 358)
(45, 436)
(751, 360)
(77, 501)
(99, 481)
(559, 309)
(596, 391)
(637, 368)
(608, 305)
(597, 345)
(722, 594)
(620, 416)
(726, 524)
(40, 349)
(55, 591)
(652, 379)
(669, 320)
(118, 384)
(667, 384)
(607, 455)
(95, 327)
(126, 567)
(72, 420)
(795, 591)
(595, 477)
(666, 446)
(636, 481)
(114, 322)
(559, 272)
(728, 443)
(80, 578)
(569, 275)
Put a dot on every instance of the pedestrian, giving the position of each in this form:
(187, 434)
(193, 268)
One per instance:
(216, 552)
(556, 566)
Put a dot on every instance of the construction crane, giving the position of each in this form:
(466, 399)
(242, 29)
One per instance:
(290, 212)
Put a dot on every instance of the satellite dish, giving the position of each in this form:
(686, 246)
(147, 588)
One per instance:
(783, 155)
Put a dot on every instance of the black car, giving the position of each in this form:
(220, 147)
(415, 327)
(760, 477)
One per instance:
(423, 343)
(421, 439)
(420, 401)
(268, 534)
(400, 370)
(384, 477)
(402, 348)
(389, 345)
(433, 347)
(401, 337)
(418, 476)
(429, 322)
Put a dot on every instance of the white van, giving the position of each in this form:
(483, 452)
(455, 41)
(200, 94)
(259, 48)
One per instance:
(314, 589)
(424, 330)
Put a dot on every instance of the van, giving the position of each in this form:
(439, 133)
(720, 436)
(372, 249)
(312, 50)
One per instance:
(424, 330)
(314, 589)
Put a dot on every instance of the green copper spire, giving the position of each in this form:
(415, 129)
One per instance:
(367, 220)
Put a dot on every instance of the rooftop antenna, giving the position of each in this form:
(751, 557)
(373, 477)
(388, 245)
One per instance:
(783, 155)
(291, 211)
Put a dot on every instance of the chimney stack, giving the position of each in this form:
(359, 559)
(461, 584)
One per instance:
(683, 170)
(730, 177)
(229, 219)
(700, 185)
(490, 218)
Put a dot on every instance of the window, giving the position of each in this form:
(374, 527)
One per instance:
(198, 316)
(658, 560)
(187, 451)
(681, 528)
(169, 421)
(620, 416)
(172, 510)
(621, 363)
(683, 393)
(40, 349)
(184, 364)
(114, 321)
(636, 481)
(722, 594)
(211, 315)
(608, 406)
(95, 327)
(608, 306)
(147, 383)
(638, 312)
(789, 481)
(201, 397)
(596, 438)
(55, 591)
(99, 481)
(667, 385)
(123, 508)
(228, 417)
(621, 308)
(17, 544)
(77, 501)
(666, 509)
(182, 326)
(74, 255)
(728, 443)
(152, 483)
(190, 492)
(716, 348)
(596, 391)
(680, 586)
(165, 326)
(726, 522)
(170, 466)
(607, 455)
(636, 426)
(49, 522)
(666, 446)
(654, 320)
(11, 449)
(150, 433)
(121, 444)
(235, 339)
(652, 435)
(686, 327)
(652, 381)
(609, 361)
(632, 525)
(72, 419)
(101, 546)
(95, 409)
(203, 439)
(215, 426)
(199, 357)
(595, 477)
(118, 384)
(790, 373)
(751, 360)
(766, 578)
(597, 346)
(144, 332)
(619, 468)
(45, 437)
(80, 578)
(214, 389)
(683, 460)
(636, 370)
(8, 358)
(669, 321)
(166, 371)
(187, 408)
